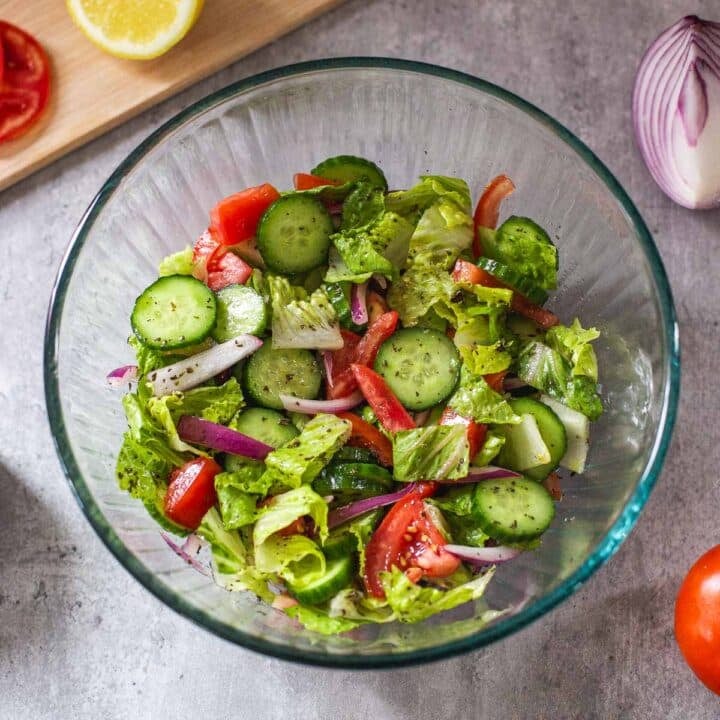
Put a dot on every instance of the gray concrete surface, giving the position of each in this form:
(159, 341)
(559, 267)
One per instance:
(79, 638)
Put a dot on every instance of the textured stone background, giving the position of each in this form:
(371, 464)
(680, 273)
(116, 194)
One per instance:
(79, 638)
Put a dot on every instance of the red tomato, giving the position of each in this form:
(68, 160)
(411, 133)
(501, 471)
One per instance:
(191, 492)
(388, 409)
(235, 218)
(488, 207)
(344, 382)
(338, 367)
(465, 271)
(476, 432)
(496, 380)
(368, 436)
(226, 270)
(408, 539)
(24, 81)
(697, 619)
(305, 181)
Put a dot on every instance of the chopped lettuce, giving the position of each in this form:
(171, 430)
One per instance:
(361, 528)
(238, 494)
(365, 203)
(457, 507)
(301, 460)
(317, 620)
(436, 452)
(475, 399)
(485, 359)
(284, 509)
(148, 359)
(326, 193)
(412, 603)
(546, 369)
(490, 450)
(573, 343)
(338, 271)
(232, 563)
(442, 233)
(179, 263)
(421, 290)
(295, 558)
(430, 190)
(299, 320)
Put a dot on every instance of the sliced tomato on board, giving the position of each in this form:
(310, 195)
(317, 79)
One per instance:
(387, 408)
(407, 539)
(367, 436)
(235, 218)
(306, 181)
(24, 81)
(191, 492)
(487, 211)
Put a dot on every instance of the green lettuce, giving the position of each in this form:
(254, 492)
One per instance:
(338, 271)
(299, 320)
(419, 291)
(317, 620)
(363, 205)
(429, 191)
(326, 193)
(436, 452)
(443, 232)
(295, 558)
(490, 450)
(179, 263)
(238, 493)
(301, 460)
(361, 528)
(148, 359)
(573, 343)
(546, 369)
(232, 563)
(475, 399)
(457, 508)
(485, 359)
(284, 509)
(413, 603)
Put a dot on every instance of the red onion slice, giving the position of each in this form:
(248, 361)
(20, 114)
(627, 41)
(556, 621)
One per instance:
(358, 304)
(196, 369)
(122, 375)
(313, 407)
(483, 555)
(488, 472)
(348, 512)
(186, 551)
(197, 431)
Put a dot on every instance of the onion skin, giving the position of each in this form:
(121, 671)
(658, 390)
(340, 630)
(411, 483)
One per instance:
(676, 112)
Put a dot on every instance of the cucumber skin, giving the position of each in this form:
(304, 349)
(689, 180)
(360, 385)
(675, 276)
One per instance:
(335, 168)
(221, 334)
(265, 425)
(337, 576)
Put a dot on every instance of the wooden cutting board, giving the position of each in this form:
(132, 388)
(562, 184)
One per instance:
(93, 91)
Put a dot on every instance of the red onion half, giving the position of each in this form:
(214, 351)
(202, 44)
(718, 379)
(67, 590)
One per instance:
(196, 431)
(483, 555)
(676, 112)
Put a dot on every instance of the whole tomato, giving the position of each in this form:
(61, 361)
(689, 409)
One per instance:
(697, 619)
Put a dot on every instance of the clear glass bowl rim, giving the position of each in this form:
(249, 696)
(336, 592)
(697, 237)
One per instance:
(606, 547)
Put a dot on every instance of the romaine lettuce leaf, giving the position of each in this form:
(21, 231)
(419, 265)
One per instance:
(338, 271)
(326, 193)
(421, 290)
(442, 233)
(475, 399)
(427, 192)
(179, 263)
(437, 452)
(232, 563)
(457, 507)
(485, 359)
(489, 451)
(284, 509)
(148, 359)
(299, 320)
(573, 343)
(361, 528)
(295, 558)
(317, 620)
(363, 205)
(301, 460)
(238, 503)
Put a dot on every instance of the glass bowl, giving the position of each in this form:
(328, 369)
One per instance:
(412, 119)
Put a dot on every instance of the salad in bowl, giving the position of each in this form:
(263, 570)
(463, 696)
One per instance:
(354, 397)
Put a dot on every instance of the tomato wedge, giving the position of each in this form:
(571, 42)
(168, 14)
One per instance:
(408, 539)
(496, 380)
(306, 181)
(24, 81)
(476, 432)
(191, 492)
(226, 270)
(488, 207)
(364, 353)
(368, 436)
(235, 218)
(388, 409)
(465, 271)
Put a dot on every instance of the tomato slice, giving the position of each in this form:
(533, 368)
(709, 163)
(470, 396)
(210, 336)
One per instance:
(488, 207)
(496, 380)
(191, 492)
(344, 381)
(306, 181)
(476, 432)
(368, 436)
(24, 81)
(407, 538)
(388, 409)
(235, 218)
(465, 271)
(226, 270)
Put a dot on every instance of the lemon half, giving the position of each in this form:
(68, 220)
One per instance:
(135, 29)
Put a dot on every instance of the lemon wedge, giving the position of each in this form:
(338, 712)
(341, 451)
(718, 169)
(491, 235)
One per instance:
(135, 29)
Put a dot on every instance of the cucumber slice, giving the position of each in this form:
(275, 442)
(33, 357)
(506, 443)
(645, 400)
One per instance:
(524, 446)
(421, 366)
(267, 426)
(354, 454)
(338, 575)
(270, 372)
(551, 429)
(577, 430)
(293, 235)
(347, 168)
(512, 509)
(509, 276)
(349, 481)
(239, 310)
(174, 312)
